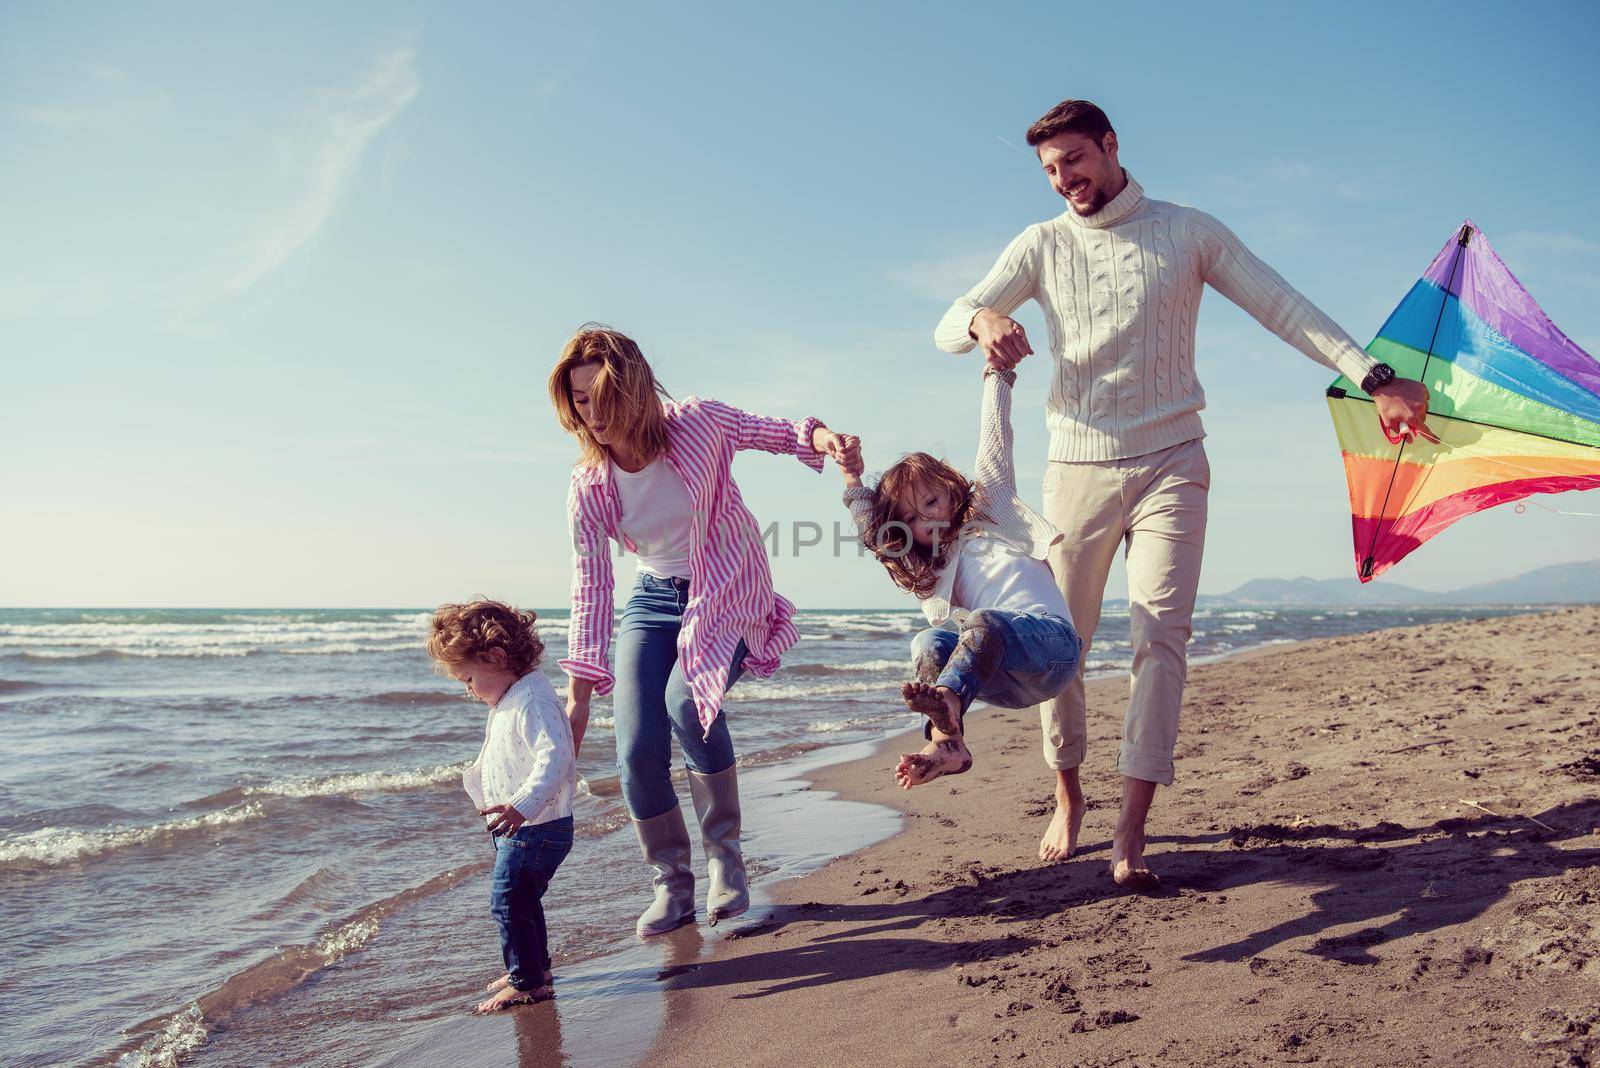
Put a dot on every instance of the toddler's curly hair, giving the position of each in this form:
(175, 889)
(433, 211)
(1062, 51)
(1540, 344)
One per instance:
(462, 632)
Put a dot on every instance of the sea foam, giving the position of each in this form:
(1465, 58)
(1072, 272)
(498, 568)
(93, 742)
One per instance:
(50, 846)
(361, 782)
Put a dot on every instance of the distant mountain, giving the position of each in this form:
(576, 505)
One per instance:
(1308, 591)
(1561, 584)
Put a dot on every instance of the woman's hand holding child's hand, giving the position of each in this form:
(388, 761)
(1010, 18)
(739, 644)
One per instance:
(844, 448)
(510, 819)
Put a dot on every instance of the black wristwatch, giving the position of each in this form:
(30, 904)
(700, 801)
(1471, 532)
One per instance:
(1380, 375)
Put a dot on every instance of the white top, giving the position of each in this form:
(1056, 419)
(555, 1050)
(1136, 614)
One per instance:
(1120, 290)
(527, 758)
(656, 517)
(990, 573)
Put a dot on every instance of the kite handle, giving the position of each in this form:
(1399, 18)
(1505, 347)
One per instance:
(1403, 433)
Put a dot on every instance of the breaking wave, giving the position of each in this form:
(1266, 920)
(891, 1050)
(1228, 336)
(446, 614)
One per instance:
(169, 1038)
(51, 846)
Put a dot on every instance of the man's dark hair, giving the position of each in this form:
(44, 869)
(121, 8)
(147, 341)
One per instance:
(1070, 116)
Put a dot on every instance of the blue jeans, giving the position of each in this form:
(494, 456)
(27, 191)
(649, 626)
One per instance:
(651, 701)
(524, 863)
(1008, 659)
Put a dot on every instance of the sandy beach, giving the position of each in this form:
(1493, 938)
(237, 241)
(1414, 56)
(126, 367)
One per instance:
(1380, 848)
(281, 735)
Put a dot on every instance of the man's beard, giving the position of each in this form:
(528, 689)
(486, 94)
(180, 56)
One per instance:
(1094, 205)
(1101, 199)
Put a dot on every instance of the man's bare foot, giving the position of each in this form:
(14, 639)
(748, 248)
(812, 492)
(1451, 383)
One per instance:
(1060, 839)
(509, 995)
(505, 980)
(942, 756)
(940, 704)
(1127, 863)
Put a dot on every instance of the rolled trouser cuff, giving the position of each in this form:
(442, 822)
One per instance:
(1064, 757)
(1062, 728)
(1143, 764)
(964, 684)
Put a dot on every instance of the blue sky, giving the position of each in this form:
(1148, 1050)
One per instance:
(279, 287)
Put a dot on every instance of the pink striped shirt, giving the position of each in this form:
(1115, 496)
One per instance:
(730, 585)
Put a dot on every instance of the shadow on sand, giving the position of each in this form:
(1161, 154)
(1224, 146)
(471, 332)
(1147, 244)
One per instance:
(1398, 880)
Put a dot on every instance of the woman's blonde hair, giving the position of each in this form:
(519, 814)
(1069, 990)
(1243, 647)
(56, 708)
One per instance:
(912, 567)
(624, 393)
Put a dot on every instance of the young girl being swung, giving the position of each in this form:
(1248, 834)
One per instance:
(973, 554)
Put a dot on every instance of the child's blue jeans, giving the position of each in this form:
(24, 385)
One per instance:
(1009, 659)
(524, 863)
(651, 702)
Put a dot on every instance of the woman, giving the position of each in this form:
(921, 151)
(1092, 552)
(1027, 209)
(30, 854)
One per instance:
(655, 475)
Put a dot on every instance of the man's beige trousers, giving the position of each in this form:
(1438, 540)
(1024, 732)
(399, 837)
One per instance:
(1155, 505)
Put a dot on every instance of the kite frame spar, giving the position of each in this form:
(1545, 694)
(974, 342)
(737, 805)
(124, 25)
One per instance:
(1334, 391)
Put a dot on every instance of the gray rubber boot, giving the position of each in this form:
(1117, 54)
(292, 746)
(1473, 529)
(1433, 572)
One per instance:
(716, 802)
(664, 840)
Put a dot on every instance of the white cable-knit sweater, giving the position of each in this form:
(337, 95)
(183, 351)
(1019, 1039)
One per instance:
(1121, 291)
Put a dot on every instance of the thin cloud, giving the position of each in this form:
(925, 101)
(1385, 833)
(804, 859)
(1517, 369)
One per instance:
(1015, 147)
(94, 97)
(1289, 170)
(1307, 177)
(58, 117)
(110, 115)
(546, 87)
(337, 138)
(946, 279)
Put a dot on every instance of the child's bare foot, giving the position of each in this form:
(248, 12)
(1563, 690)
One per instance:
(505, 980)
(509, 995)
(1060, 839)
(940, 704)
(1127, 862)
(942, 756)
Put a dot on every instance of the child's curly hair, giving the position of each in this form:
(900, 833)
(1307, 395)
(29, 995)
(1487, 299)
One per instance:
(463, 632)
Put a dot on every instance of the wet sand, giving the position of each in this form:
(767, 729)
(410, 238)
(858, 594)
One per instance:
(609, 1008)
(1331, 891)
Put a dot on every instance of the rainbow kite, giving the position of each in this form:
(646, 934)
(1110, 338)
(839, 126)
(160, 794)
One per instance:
(1515, 405)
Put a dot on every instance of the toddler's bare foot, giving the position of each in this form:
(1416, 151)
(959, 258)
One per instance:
(939, 703)
(1060, 839)
(945, 756)
(509, 995)
(505, 980)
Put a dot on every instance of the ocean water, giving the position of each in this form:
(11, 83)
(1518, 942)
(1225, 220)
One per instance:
(239, 837)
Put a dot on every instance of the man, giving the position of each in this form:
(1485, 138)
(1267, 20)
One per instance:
(1119, 277)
